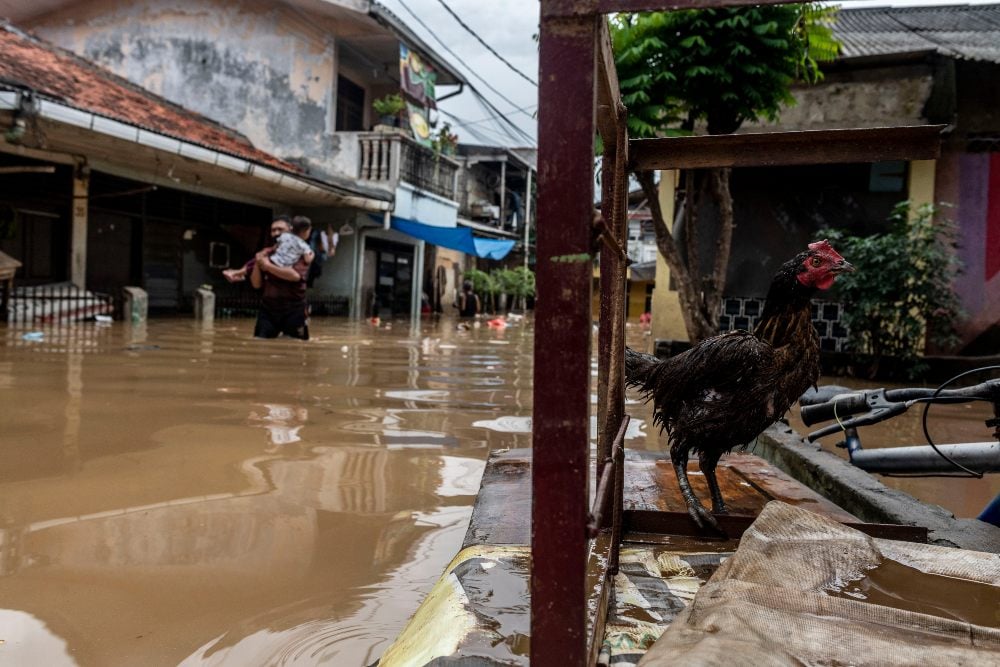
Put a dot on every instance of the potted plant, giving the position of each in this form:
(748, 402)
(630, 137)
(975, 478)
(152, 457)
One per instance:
(388, 108)
(445, 141)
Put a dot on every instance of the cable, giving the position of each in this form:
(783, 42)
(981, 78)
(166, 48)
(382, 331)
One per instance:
(927, 406)
(488, 47)
(475, 132)
(524, 135)
(491, 118)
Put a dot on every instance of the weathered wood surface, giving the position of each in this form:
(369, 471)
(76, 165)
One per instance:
(503, 507)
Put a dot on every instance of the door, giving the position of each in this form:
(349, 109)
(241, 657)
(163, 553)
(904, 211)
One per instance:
(393, 279)
(109, 251)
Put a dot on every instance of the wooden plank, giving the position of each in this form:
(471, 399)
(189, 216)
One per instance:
(748, 483)
(772, 149)
(566, 8)
(599, 586)
(734, 525)
(503, 504)
(610, 110)
(777, 485)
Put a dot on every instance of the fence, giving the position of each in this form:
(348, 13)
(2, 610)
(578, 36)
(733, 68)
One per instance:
(63, 302)
(246, 303)
(744, 313)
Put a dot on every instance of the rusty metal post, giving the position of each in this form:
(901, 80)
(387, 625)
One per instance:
(562, 371)
(619, 296)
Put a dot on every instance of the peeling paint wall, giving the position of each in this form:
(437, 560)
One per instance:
(879, 97)
(259, 67)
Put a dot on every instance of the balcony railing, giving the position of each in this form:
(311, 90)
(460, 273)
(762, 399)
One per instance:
(387, 158)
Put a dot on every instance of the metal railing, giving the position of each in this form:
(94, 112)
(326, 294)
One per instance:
(246, 303)
(63, 302)
(388, 157)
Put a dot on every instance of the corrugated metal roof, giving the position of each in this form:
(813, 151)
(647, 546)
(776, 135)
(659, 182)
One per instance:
(960, 31)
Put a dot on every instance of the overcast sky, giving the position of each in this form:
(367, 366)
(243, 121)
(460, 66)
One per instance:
(508, 26)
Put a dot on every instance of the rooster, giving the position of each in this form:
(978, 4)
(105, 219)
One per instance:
(720, 394)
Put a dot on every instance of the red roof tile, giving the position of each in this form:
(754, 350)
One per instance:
(29, 62)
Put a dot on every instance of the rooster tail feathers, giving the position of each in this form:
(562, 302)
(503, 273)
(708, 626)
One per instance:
(638, 368)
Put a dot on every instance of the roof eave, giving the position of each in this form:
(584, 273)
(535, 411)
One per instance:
(393, 23)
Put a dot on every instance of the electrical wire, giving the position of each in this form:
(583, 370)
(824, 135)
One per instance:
(477, 133)
(483, 42)
(520, 134)
(927, 406)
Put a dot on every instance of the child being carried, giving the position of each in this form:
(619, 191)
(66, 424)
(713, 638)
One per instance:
(289, 248)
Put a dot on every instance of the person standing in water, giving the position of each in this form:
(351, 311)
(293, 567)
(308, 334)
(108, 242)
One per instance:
(468, 301)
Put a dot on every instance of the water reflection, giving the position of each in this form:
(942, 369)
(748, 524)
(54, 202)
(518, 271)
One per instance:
(185, 493)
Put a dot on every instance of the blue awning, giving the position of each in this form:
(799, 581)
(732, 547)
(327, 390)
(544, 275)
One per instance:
(456, 238)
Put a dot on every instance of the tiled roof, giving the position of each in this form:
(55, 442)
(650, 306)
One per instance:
(961, 31)
(29, 62)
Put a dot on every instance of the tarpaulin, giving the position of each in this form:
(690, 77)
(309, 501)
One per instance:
(456, 238)
(805, 590)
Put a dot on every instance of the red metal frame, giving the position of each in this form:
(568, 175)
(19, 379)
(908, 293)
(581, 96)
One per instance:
(578, 95)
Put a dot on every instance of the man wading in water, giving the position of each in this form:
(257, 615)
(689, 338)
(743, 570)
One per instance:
(283, 308)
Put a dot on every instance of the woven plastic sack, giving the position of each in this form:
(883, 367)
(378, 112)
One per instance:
(802, 589)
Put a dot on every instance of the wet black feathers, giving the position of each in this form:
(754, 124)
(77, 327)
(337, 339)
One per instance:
(724, 391)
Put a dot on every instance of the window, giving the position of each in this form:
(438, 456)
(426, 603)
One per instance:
(350, 106)
(887, 177)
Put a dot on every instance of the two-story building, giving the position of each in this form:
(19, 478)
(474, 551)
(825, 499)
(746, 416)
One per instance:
(898, 66)
(292, 82)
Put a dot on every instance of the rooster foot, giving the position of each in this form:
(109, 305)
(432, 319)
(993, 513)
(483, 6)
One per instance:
(719, 508)
(704, 518)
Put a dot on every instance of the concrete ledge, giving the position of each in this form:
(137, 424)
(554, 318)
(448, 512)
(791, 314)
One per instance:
(865, 496)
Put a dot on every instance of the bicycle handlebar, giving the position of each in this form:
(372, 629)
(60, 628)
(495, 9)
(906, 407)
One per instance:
(885, 403)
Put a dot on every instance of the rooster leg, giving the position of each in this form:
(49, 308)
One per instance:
(700, 515)
(708, 462)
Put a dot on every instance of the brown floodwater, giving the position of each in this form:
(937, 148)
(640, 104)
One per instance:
(184, 494)
(179, 493)
(899, 586)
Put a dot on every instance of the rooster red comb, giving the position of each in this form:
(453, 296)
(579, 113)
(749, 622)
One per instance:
(824, 248)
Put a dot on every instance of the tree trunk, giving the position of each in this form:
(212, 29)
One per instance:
(723, 244)
(700, 300)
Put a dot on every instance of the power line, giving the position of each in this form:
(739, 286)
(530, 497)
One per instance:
(477, 133)
(489, 118)
(488, 47)
(524, 136)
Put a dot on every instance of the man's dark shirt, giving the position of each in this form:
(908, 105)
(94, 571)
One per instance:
(281, 295)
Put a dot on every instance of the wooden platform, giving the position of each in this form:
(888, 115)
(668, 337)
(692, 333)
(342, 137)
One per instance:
(503, 508)
(479, 612)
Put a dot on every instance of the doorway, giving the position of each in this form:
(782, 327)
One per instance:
(387, 281)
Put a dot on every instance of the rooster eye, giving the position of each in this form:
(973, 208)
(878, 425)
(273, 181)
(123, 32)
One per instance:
(816, 261)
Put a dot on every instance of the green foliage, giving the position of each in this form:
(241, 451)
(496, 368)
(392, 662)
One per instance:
(519, 282)
(482, 282)
(444, 141)
(390, 105)
(902, 291)
(724, 66)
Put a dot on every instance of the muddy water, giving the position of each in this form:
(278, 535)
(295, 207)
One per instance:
(925, 593)
(947, 424)
(187, 495)
(182, 494)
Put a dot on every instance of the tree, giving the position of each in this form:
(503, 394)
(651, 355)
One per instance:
(912, 302)
(720, 67)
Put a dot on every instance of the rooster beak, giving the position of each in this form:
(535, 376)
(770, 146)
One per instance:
(843, 266)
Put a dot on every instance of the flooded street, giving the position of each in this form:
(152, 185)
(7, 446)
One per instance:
(180, 495)
(183, 494)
